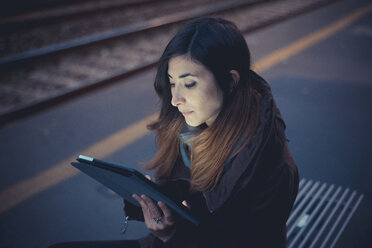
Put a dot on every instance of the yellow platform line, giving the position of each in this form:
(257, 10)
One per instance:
(62, 171)
(22, 191)
(309, 40)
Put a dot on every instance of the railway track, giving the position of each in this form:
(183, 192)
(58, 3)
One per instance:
(118, 54)
(25, 15)
(77, 21)
(122, 32)
(20, 8)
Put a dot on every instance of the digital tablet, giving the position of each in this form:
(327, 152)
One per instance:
(126, 182)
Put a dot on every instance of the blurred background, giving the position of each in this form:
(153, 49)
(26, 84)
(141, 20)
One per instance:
(76, 77)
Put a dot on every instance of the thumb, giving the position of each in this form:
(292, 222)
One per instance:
(186, 204)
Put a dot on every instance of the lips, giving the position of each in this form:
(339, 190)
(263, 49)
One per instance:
(186, 113)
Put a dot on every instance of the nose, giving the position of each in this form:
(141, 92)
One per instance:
(177, 97)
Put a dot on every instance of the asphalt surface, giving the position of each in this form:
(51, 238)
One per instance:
(324, 94)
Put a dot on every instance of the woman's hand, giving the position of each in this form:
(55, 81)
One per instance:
(160, 222)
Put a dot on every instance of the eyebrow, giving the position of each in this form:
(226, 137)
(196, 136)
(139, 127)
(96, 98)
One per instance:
(185, 75)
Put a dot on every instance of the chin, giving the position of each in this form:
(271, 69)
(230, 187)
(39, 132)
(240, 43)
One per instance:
(193, 123)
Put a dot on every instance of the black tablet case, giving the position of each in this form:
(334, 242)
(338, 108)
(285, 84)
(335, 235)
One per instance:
(126, 182)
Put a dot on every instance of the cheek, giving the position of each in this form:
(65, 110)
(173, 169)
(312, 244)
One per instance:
(215, 98)
(204, 100)
(210, 103)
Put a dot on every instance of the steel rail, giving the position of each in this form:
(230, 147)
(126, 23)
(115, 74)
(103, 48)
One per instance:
(28, 6)
(122, 32)
(15, 8)
(44, 103)
(50, 101)
(26, 23)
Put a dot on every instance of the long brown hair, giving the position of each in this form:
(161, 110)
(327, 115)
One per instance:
(219, 46)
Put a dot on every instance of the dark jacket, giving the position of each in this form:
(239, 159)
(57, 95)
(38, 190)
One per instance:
(252, 201)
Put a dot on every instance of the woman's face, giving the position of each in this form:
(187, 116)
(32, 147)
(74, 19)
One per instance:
(194, 91)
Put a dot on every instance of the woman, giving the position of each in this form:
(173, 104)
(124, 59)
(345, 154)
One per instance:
(222, 150)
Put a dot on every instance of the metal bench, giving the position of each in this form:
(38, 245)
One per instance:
(320, 214)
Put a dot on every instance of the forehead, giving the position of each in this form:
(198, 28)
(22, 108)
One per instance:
(180, 65)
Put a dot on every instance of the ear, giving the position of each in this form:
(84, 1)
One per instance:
(236, 77)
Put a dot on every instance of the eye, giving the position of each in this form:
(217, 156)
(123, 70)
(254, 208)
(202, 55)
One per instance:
(171, 84)
(190, 85)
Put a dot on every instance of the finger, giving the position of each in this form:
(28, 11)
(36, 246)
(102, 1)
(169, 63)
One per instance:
(140, 201)
(148, 177)
(154, 211)
(147, 199)
(166, 211)
(145, 209)
(186, 204)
